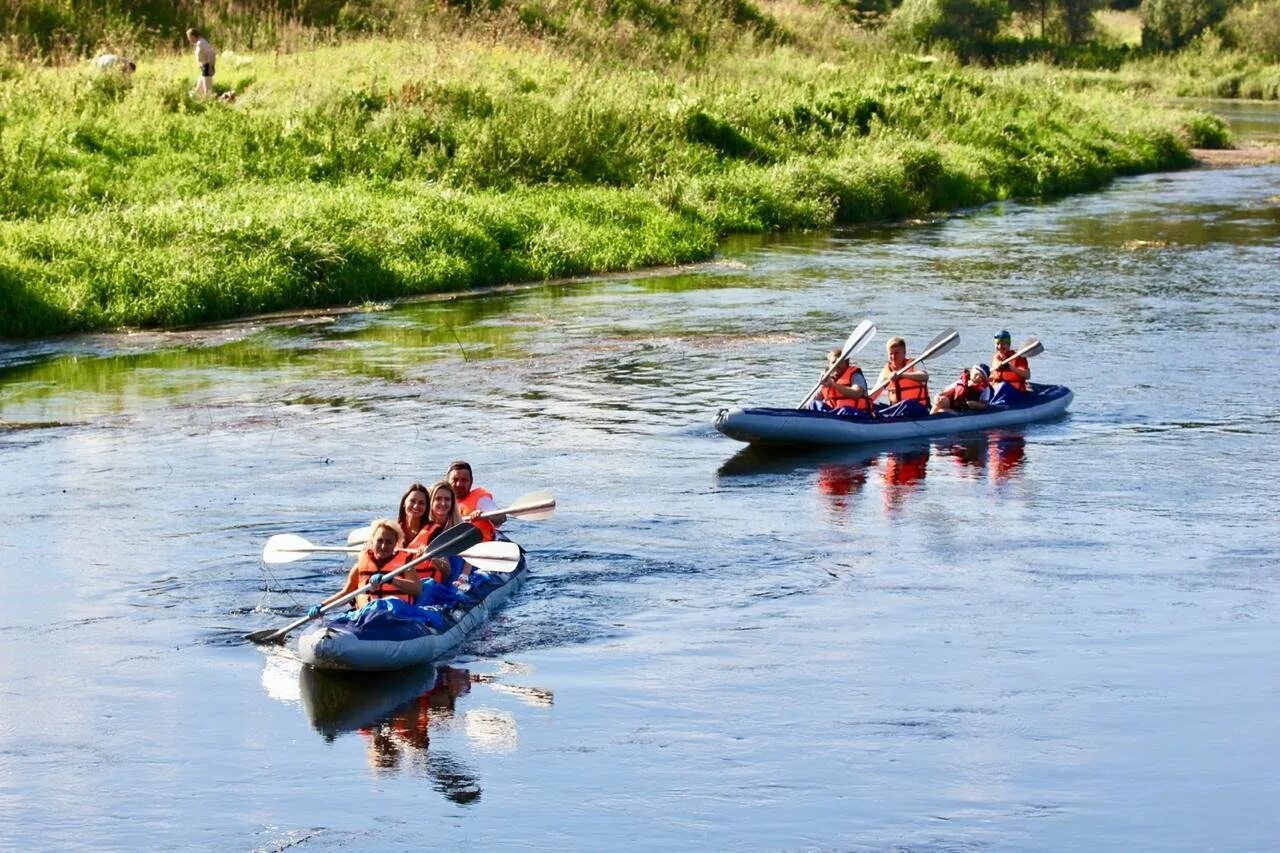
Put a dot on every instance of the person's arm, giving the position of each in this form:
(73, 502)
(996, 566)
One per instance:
(1020, 367)
(407, 582)
(919, 375)
(487, 505)
(352, 584)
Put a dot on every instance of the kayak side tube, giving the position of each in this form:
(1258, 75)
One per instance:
(799, 426)
(335, 647)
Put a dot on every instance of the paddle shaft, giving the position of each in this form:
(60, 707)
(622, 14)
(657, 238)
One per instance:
(1029, 349)
(431, 553)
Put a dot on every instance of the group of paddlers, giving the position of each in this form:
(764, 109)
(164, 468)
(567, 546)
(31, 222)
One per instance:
(424, 513)
(843, 389)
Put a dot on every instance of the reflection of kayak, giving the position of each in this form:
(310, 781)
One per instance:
(398, 644)
(338, 702)
(797, 426)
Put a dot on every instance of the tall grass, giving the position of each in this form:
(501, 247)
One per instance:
(384, 167)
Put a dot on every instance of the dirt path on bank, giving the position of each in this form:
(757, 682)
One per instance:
(1248, 154)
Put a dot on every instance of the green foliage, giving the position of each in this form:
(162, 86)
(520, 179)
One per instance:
(1254, 28)
(384, 168)
(1171, 24)
(966, 27)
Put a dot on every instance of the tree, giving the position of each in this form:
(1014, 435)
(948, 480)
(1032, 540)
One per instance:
(1171, 24)
(968, 27)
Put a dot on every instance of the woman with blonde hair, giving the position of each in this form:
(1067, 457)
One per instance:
(379, 558)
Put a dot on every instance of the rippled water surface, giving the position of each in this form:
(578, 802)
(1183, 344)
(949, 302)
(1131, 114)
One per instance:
(1058, 638)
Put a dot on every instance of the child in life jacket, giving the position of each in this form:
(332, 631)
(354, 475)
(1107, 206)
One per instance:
(971, 392)
(377, 559)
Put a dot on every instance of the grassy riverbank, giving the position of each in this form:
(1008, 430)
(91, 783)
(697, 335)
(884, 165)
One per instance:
(379, 169)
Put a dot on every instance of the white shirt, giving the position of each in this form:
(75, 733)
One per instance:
(204, 52)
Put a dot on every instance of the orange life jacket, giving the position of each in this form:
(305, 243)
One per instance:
(429, 531)
(367, 566)
(835, 400)
(467, 505)
(903, 388)
(961, 393)
(1004, 372)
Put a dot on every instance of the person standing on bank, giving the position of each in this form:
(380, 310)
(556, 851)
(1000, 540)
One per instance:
(205, 57)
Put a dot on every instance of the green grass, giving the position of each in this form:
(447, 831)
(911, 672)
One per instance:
(384, 168)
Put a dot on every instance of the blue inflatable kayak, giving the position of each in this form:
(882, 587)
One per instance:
(799, 426)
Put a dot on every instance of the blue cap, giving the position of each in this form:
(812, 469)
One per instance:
(1003, 335)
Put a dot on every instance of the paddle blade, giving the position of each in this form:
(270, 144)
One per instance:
(1030, 348)
(944, 342)
(265, 636)
(359, 536)
(285, 548)
(859, 338)
(455, 540)
(534, 506)
(493, 556)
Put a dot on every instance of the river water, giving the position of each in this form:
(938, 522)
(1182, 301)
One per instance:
(1061, 637)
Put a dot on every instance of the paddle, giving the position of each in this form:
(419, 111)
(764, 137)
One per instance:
(447, 544)
(944, 342)
(288, 548)
(858, 338)
(1029, 348)
(535, 506)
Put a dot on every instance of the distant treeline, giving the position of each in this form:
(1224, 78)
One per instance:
(990, 31)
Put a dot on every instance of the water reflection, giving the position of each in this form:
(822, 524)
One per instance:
(842, 474)
(395, 713)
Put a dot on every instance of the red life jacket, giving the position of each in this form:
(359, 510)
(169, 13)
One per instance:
(467, 505)
(430, 530)
(1004, 373)
(961, 393)
(835, 400)
(903, 388)
(367, 566)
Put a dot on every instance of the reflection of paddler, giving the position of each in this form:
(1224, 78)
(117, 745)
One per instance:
(409, 727)
(1009, 451)
(837, 482)
(901, 472)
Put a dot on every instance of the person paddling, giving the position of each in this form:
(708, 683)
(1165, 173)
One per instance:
(1005, 367)
(844, 391)
(970, 393)
(378, 558)
(912, 386)
(473, 500)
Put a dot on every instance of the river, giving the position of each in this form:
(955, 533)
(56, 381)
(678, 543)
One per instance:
(1054, 638)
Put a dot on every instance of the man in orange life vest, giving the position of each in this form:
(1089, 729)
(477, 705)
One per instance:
(473, 500)
(912, 386)
(1014, 371)
(844, 391)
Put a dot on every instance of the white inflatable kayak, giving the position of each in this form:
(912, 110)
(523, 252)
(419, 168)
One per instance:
(799, 426)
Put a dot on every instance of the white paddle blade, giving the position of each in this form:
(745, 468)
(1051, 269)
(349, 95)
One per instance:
(359, 536)
(493, 556)
(1030, 348)
(285, 548)
(534, 506)
(860, 337)
(507, 551)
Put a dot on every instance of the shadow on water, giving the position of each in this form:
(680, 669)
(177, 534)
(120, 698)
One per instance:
(395, 713)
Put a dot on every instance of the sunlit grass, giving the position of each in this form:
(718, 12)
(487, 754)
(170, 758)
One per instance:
(375, 169)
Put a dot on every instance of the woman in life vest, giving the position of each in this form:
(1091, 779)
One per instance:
(377, 559)
(413, 512)
(912, 385)
(969, 393)
(1014, 371)
(442, 513)
(844, 388)
(473, 500)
